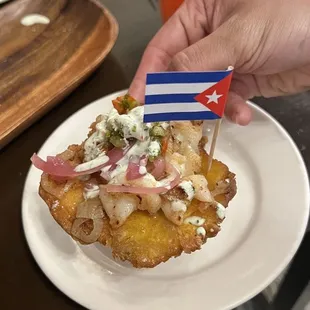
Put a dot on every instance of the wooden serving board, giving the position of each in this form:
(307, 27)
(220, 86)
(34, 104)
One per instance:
(42, 63)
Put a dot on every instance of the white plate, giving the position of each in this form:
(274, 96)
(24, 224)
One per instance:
(264, 226)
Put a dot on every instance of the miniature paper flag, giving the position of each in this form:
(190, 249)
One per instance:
(177, 96)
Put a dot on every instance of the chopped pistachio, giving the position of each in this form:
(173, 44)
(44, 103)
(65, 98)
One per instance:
(157, 131)
(117, 141)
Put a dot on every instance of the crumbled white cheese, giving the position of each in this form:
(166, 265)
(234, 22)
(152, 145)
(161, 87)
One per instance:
(220, 211)
(131, 124)
(188, 188)
(154, 149)
(139, 149)
(142, 170)
(195, 220)
(92, 192)
(201, 231)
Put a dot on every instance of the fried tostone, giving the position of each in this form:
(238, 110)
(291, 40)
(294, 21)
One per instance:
(145, 240)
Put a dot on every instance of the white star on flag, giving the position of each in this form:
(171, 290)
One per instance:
(214, 97)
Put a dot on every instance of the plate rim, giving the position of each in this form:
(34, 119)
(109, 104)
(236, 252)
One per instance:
(281, 267)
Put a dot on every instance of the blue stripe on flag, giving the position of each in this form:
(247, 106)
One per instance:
(185, 77)
(171, 98)
(180, 116)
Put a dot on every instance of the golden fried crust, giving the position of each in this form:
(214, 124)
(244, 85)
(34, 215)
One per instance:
(189, 239)
(147, 240)
(219, 172)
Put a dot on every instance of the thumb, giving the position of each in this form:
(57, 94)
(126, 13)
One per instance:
(217, 51)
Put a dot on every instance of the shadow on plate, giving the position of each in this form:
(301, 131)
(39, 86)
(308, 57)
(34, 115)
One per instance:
(125, 282)
(102, 255)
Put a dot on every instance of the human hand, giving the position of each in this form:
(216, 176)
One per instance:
(267, 43)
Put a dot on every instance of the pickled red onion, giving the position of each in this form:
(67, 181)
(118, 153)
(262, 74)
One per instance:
(106, 174)
(159, 168)
(57, 167)
(57, 160)
(53, 165)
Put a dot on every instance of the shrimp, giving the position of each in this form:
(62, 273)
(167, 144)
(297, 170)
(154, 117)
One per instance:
(150, 203)
(146, 181)
(118, 206)
(186, 137)
(200, 184)
(118, 178)
(186, 134)
(178, 161)
(170, 146)
(177, 193)
(174, 210)
(193, 160)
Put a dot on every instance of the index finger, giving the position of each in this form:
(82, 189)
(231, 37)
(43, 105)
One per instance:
(180, 31)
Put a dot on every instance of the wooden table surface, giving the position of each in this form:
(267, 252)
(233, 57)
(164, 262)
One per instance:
(23, 285)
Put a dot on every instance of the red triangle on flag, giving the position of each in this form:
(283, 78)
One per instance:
(215, 97)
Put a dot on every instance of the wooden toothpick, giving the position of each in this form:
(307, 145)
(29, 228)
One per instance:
(213, 143)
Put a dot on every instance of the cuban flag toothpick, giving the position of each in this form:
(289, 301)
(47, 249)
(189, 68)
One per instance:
(180, 96)
(177, 96)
